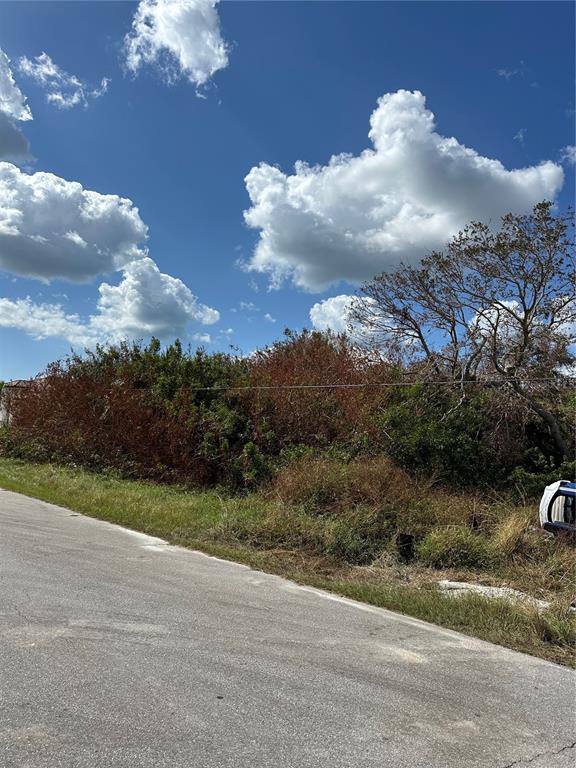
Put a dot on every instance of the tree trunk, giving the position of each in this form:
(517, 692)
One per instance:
(549, 419)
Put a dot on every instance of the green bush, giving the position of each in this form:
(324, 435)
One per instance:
(253, 466)
(29, 450)
(455, 547)
(530, 485)
(429, 431)
(182, 415)
(360, 537)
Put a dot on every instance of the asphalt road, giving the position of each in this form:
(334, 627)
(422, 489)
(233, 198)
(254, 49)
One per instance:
(119, 650)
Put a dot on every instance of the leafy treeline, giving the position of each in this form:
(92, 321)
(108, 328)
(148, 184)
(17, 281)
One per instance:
(497, 305)
(173, 414)
(461, 375)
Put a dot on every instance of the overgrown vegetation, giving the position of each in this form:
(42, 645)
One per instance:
(174, 415)
(304, 541)
(386, 466)
(496, 306)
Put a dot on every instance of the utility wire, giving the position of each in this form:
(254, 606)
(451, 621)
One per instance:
(359, 385)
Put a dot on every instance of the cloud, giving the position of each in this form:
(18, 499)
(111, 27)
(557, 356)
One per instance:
(50, 227)
(520, 137)
(145, 303)
(62, 89)
(12, 102)
(248, 306)
(360, 215)
(269, 318)
(13, 108)
(54, 228)
(14, 145)
(182, 38)
(568, 155)
(509, 72)
(332, 314)
(43, 321)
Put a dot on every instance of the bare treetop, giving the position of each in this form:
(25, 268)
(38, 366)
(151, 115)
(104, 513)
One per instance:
(494, 304)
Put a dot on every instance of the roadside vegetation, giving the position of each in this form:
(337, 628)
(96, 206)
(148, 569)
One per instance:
(353, 556)
(374, 469)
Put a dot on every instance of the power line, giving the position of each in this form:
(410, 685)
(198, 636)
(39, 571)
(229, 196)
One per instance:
(356, 385)
(431, 382)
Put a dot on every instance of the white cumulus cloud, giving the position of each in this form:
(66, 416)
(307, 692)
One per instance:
(62, 89)
(50, 227)
(182, 38)
(145, 303)
(13, 108)
(360, 215)
(12, 101)
(332, 314)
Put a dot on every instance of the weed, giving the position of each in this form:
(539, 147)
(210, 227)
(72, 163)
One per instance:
(455, 547)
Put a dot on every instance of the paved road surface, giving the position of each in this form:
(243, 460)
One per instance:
(119, 650)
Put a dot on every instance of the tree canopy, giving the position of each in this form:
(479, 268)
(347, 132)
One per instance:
(496, 305)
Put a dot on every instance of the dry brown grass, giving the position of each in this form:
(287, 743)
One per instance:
(357, 510)
(334, 487)
(322, 483)
(514, 534)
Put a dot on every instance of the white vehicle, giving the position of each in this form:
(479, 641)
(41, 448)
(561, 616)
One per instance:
(558, 507)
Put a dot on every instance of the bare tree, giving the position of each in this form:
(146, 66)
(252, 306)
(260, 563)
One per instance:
(497, 306)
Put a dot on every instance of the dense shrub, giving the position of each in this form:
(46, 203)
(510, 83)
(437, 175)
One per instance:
(368, 504)
(295, 403)
(172, 414)
(430, 429)
(529, 485)
(145, 411)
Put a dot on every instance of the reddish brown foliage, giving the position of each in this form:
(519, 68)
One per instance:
(297, 414)
(107, 423)
(141, 410)
(204, 419)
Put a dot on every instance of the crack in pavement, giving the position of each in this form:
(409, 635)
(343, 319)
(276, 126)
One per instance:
(527, 761)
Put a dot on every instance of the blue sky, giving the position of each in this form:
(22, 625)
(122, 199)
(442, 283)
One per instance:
(301, 82)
